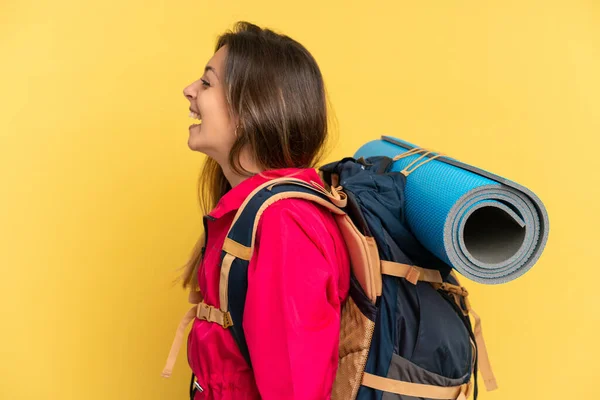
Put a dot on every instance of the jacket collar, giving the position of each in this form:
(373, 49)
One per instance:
(233, 199)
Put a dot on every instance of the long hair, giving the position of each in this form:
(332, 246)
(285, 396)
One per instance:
(275, 87)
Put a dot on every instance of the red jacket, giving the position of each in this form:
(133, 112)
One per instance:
(298, 278)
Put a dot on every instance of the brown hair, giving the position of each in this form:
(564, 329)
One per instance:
(275, 88)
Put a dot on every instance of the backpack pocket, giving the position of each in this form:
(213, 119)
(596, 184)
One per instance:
(443, 343)
(356, 332)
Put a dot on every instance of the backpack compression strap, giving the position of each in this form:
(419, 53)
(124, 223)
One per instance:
(485, 366)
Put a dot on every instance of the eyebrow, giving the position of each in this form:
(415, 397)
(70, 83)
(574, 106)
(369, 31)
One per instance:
(210, 68)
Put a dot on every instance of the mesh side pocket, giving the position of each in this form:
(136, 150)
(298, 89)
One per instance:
(356, 332)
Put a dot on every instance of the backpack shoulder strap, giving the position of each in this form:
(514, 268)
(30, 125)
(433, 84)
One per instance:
(239, 243)
(240, 238)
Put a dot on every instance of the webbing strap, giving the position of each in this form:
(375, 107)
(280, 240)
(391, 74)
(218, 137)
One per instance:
(411, 273)
(236, 249)
(200, 311)
(335, 193)
(483, 360)
(484, 365)
(417, 389)
(187, 318)
(194, 298)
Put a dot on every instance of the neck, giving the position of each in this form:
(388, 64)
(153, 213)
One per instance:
(246, 163)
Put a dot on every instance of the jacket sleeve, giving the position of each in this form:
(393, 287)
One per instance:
(292, 311)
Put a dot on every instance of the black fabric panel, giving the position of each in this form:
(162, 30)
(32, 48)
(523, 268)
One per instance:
(237, 290)
(363, 302)
(241, 231)
(443, 346)
(353, 210)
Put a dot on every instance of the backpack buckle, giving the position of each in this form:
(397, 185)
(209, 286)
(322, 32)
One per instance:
(456, 292)
(204, 311)
(209, 313)
(227, 322)
(448, 287)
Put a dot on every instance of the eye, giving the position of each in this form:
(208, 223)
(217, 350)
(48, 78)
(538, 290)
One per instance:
(205, 83)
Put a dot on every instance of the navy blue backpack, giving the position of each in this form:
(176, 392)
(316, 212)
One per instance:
(405, 330)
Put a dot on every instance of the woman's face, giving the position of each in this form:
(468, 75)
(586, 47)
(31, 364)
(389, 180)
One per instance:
(216, 134)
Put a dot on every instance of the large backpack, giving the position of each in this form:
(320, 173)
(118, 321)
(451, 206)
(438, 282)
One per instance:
(405, 328)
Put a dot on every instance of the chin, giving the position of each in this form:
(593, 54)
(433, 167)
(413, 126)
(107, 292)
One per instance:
(194, 145)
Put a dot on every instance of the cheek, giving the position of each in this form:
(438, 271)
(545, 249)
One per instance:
(216, 123)
(215, 112)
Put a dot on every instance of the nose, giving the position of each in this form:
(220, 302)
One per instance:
(189, 93)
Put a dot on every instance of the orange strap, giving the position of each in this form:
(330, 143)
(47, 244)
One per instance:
(200, 310)
(483, 362)
(411, 273)
(485, 367)
(417, 389)
(336, 193)
(188, 317)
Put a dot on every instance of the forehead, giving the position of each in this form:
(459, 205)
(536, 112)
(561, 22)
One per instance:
(218, 59)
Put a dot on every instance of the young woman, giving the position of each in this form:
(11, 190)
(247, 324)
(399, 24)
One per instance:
(263, 108)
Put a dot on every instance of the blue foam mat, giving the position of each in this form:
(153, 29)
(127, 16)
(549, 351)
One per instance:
(490, 229)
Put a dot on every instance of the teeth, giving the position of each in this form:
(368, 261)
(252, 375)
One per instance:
(194, 116)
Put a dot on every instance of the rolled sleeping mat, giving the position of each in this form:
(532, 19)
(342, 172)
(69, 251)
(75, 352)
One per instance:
(488, 228)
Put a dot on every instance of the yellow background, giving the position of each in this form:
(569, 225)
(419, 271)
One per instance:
(99, 187)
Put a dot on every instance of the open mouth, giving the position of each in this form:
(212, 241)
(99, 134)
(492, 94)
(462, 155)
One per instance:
(193, 115)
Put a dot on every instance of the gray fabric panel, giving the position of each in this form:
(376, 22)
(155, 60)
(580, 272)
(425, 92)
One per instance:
(403, 370)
